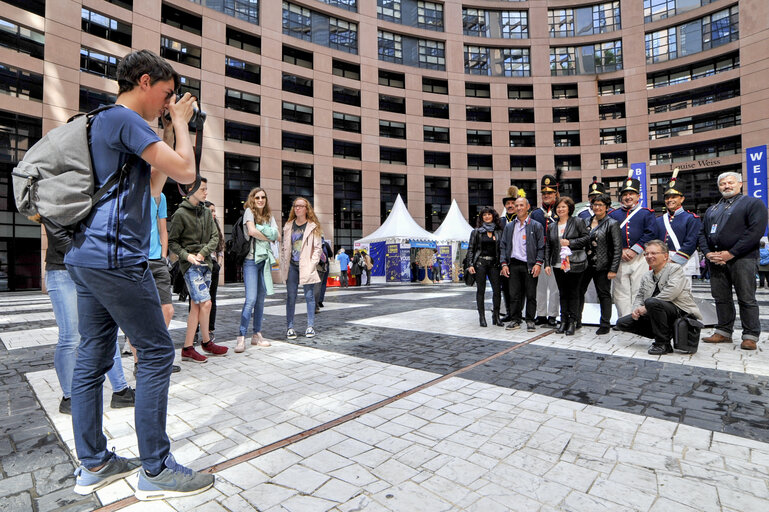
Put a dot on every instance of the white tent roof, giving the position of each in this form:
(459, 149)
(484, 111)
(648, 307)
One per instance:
(454, 227)
(399, 224)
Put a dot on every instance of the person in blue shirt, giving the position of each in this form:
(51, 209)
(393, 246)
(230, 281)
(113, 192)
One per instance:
(637, 226)
(108, 263)
(344, 264)
(679, 229)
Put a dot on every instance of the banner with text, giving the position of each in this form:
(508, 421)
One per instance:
(639, 173)
(757, 173)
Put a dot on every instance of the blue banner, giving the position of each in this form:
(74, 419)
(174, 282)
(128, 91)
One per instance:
(392, 263)
(444, 252)
(757, 170)
(639, 173)
(405, 261)
(422, 244)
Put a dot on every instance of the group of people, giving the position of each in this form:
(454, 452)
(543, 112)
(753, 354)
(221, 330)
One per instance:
(546, 260)
(360, 264)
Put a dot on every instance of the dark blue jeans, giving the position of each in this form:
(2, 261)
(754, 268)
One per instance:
(739, 273)
(125, 297)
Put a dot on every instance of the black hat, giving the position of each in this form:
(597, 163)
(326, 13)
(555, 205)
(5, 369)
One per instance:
(672, 188)
(596, 188)
(630, 184)
(549, 183)
(512, 194)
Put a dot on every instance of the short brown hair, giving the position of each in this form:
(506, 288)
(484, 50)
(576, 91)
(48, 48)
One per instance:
(569, 202)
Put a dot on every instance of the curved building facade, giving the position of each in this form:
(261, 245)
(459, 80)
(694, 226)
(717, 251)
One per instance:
(351, 102)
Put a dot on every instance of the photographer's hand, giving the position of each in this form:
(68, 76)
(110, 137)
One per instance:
(181, 111)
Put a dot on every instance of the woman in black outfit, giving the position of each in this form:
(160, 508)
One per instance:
(483, 257)
(568, 232)
(603, 256)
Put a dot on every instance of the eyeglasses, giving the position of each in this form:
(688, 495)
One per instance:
(652, 253)
(300, 206)
(259, 198)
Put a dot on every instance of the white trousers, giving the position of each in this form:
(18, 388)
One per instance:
(548, 300)
(625, 286)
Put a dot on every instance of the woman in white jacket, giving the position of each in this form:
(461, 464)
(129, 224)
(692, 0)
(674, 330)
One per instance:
(299, 257)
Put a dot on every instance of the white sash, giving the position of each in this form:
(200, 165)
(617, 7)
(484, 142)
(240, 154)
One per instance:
(635, 210)
(671, 233)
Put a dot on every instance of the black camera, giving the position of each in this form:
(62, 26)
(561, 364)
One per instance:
(196, 121)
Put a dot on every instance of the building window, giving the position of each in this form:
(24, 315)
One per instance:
(243, 41)
(297, 84)
(430, 15)
(19, 133)
(242, 101)
(346, 95)
(709, 149)
(661, 45)
(711, 31)
(390, 187)
(105, 27)
(190, 85)
(436, 134)
(246, 10)
(435, 85)
(388, 155)
(297, 57)
(563, 61)
(606, 18)
(350, 5)
(720, 28)
(98, 63)
(596, 58)
(182, 20)
(22, 39)
(432, 54)
(346, 122)
(695, 124)
(515, 62)
(561, 22)
(241, 174)
(562, 92)
(476, 60)
(390, 47)
(241, 132)
(392, 129)
(297, 182)
(392, 79)
(480, 114)
(437, 200)
(437, 159)
(523, 163)
(582, 21)
(245, 71)
(520, 115)
(479, 137)
(612, 136)
(389, 10)
(343, 35)
(91, 99)
(608, 56)
(611, 111)
(480, 162)
(613, 160)
(344, 149)
(566, 138)
(435, 109)
(297, 113)
(348, 207)
(297, 21)
(297, 142)
(611, 87)
(345, 69)
(33, 6)
(180, 52)
(693, 71)
(474, 22)
(392, 104)
(520, 92)
(476, 90)
(694, 97)
(522, 140)
(568, 162)
(515, 24)
(658, 9)
(566, 114)
(480, 193)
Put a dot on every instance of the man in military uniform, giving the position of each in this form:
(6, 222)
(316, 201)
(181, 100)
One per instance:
(595, 189)
(508, 216)
(547, 291)
(638, 226)
(678, 228)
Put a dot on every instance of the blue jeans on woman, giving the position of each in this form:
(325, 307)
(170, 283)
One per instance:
(292, 289)
(256, 291)
(63, 295)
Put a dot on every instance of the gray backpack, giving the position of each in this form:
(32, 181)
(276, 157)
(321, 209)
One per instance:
(55, 182)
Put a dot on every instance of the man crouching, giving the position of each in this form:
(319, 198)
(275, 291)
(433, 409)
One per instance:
(663, 297)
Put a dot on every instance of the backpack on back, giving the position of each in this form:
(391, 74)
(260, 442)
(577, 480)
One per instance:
(55, 180)
(238, 245)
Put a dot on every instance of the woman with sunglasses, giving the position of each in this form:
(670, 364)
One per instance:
(483, 258)
(260, 226)
(299, 257)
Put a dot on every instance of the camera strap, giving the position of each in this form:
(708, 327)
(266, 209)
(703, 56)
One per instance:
(198, 152)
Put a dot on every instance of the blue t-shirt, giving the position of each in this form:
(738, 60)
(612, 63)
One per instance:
(116, 233)
(344, 261)
(157, 211)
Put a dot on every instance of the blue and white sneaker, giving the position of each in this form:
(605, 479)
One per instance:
(310, 332)
(291, 333)
(173, 482)
(117, 467)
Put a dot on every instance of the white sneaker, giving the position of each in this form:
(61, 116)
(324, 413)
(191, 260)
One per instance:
(309, 333)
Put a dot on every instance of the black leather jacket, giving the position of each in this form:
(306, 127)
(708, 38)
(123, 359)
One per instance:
(605, 249)
(474, 247)
(577, 235)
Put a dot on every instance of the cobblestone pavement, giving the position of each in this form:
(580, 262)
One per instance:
(552, 423)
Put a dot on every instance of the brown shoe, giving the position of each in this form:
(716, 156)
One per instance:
(748, 345)
(717, 338)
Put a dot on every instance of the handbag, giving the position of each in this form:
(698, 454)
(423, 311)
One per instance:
(469, 278)
(686, 334)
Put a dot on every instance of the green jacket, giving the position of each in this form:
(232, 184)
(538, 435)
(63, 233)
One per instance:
(193, 231)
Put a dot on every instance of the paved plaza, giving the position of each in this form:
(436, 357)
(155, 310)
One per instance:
(403, 403)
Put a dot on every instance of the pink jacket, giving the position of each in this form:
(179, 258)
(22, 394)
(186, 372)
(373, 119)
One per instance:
(308, 258)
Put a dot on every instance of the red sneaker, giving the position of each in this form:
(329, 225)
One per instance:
(213, 349)
(190, 354)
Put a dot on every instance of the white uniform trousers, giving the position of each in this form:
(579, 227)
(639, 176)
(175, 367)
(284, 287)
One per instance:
(548, 300)
(625, 285)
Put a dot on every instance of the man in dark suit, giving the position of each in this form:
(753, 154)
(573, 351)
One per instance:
(730, 235)
(522, 252)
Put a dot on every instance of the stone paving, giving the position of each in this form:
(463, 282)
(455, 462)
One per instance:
(558, 423)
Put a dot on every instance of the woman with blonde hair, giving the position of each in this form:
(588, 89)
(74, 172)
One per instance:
(299, 257)
(259, 225)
